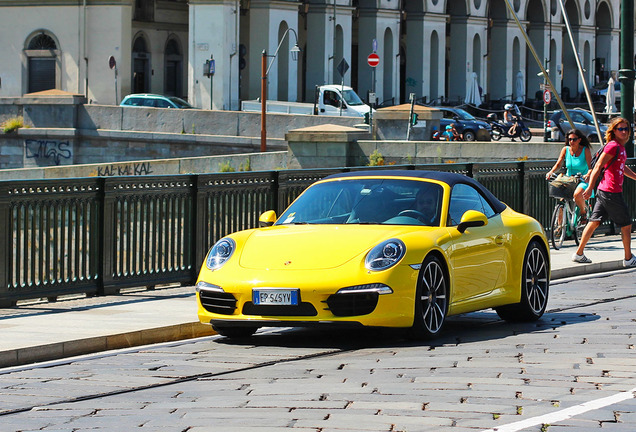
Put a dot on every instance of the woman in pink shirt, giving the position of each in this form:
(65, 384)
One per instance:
(609, 199)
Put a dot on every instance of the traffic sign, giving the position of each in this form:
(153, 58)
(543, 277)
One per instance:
(547, 96)
(343, 67)
(373, 59)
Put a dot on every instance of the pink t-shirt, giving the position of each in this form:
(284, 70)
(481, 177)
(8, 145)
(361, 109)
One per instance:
(612, 181)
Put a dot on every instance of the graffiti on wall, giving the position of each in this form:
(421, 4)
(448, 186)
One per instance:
(137, 168)
(48, 150)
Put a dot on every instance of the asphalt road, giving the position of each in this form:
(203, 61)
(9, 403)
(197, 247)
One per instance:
(574, 370)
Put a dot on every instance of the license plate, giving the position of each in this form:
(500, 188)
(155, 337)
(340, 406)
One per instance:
(275, 297)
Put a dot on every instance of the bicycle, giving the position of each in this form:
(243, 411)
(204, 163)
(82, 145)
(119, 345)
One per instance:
(565, 220)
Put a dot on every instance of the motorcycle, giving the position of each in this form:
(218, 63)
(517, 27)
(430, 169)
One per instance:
(499, 129)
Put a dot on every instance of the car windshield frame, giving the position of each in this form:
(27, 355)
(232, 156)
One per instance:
(180, 103)
(367, 201)
(352, 98)
(464, 115)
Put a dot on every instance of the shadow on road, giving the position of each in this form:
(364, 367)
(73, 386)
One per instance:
(473, 327)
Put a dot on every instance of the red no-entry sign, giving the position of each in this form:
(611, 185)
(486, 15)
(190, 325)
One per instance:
(373, 59)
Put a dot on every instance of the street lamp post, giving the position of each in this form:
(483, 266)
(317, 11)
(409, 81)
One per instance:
(264, 72)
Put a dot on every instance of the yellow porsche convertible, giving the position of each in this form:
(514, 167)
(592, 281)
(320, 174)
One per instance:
(385, 248)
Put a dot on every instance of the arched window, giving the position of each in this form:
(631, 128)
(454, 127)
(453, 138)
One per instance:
(141, 66)
(42, 63)
(173, 76)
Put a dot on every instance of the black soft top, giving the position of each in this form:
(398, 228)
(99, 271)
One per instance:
(449, 178)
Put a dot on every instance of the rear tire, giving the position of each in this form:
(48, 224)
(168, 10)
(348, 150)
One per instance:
(535, 285)
(557, 226)
(469, 135)
(495, 134)
(431, 299)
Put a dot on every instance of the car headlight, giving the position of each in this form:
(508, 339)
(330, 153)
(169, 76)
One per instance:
(220, 253)
(385, 255)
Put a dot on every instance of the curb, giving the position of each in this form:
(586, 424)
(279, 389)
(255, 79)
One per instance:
(54, 351)
(581, 270)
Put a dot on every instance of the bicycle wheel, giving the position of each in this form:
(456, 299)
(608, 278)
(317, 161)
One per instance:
(557, 226)
(578, 230)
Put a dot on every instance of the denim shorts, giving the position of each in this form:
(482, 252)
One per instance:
(611, 206)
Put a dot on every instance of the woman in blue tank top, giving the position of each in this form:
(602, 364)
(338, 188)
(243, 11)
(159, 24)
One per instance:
(577, 156)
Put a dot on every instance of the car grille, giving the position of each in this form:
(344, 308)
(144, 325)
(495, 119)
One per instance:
(218, 302)
(303, 309)
(352, 304)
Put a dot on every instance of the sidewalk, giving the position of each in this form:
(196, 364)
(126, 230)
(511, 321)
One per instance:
(46, 331)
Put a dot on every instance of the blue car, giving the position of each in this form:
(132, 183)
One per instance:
(153, 101)
(470, 128)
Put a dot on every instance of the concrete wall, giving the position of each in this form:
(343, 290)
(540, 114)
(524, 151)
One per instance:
(36, 147)
(62, 130)
(198, 165)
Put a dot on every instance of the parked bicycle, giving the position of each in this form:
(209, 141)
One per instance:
(565, 221)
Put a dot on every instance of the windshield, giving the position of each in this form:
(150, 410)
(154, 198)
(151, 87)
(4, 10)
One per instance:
(180, 102)
(367, 201)
(352, 98)
(464, 115)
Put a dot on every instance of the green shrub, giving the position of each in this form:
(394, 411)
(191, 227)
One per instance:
(226, 167)
(376, 158)
(247, 166)
(12, 124)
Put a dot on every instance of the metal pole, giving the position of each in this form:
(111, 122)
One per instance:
(536, 58)
(626, 72)
(408, 130)
(578, 64)
(545, 108)
(263, 102)
(116, 95)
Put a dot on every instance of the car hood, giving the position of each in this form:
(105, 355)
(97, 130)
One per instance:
(313, 247)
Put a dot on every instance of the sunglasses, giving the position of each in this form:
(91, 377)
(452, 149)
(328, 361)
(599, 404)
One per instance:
(573, 139)
(623, 129)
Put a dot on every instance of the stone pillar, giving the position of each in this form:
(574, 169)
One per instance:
(213, 33)
(392, 123)
(323, 146)
(328, 43)
(267, 21)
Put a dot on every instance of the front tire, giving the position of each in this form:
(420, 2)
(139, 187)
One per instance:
(557, 226)
(431, 299)
(525, 135)
(535, 285)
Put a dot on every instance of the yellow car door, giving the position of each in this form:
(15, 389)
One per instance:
(477, 255)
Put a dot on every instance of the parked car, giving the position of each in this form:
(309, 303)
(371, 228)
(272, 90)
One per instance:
(394, 248)
(153, 101)
(466, 124)
(583, 121)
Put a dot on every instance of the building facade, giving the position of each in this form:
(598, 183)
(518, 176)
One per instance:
(105, 49)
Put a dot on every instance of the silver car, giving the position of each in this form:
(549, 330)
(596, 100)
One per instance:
(582, 120)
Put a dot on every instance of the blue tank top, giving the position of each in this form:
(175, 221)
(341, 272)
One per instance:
(574, 164)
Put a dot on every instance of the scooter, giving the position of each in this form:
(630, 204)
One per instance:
(499, 129)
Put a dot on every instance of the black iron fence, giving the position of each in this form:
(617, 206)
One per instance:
(98, 235)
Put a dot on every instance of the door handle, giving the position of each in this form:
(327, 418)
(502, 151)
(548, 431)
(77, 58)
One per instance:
(499, 240)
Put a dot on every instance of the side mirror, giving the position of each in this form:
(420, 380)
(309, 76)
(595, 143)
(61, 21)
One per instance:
(267, 219)
(472, 218)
